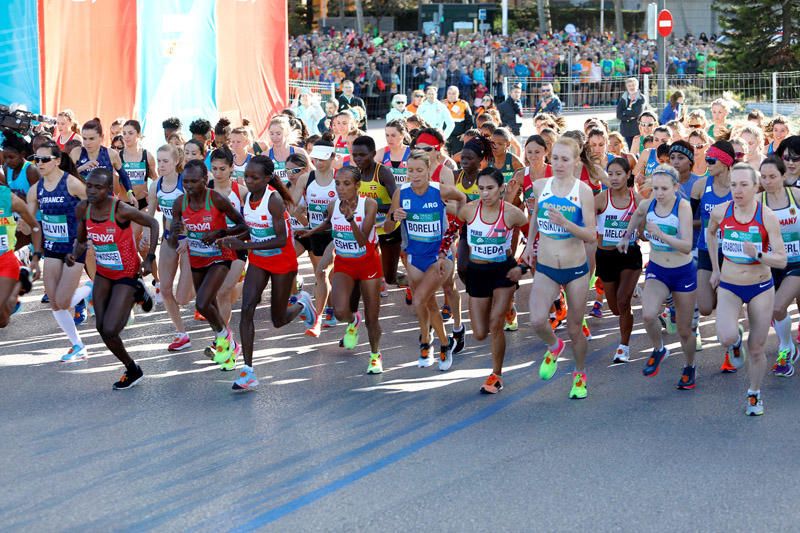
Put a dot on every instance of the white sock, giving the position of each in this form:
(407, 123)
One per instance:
(81, 293)
(751, 392)
(222, 333)
(67, 324)
(783, 328)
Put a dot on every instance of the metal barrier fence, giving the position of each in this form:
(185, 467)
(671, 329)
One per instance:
(768, 88)
(325, 90)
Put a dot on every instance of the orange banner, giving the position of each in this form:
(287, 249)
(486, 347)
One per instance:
(253, 60)
(88, 58)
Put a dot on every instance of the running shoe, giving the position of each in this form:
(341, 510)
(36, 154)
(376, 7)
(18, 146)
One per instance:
(26, 285)
(180, 342)
(586, 332)
(687, 378)
(755, 406)
(89, 300)
(76, 353)
(795, 354)
(45, 299)
(230, 363)
(492, 385)
(555, 323)
(654, 362)
(667, 319)
(401, 279)
(550, 362)
(384, 290)
(79, 315)
(211, 349)
(597, 310)
(375, 364)
(246, 381)
(316, 329)
(447, 313)
(511, 320)
(223, 348)
(739, 353)
(350, 339)
(578, 391)
(142, 296)
(783, 367)
(298, 283)
(329, 319)
(459, 337)
(409, 296)
(726, 367)
(130, 378)
(17, 308)
(425, 360)
(309, 313)
(622, 355)
(446, 355)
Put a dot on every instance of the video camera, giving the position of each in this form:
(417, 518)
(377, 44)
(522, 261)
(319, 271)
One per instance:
(21, 120)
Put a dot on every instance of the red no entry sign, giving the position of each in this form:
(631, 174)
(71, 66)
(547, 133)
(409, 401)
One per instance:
(664, 23)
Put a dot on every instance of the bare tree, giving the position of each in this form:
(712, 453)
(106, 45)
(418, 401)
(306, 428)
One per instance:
(359, 17)
(545, 22)
(620, 31)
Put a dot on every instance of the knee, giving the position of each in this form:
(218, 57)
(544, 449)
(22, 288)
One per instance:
(496, 324)
(574, 329)
(167, 292)
(779, 314)
(685, 331)
(62, 302)
(617, 309)
(726, 338)
(479, 333)
(539, 321)
(649, 315)
(203, 303)
(107, 331)
(705, 308)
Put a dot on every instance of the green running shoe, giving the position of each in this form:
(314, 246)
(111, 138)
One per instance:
(375, 364)
(223, 348)
(550, 362)
(578, 391)
(350, 339)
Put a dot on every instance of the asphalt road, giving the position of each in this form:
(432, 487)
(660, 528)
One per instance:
(324, 447)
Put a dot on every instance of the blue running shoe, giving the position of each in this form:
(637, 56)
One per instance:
(80, 313)
(76, 353)
(651, 368)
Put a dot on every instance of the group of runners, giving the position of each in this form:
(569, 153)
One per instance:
(711, 222)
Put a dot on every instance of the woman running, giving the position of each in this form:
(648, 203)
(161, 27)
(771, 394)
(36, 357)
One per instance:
(395, 155)
(789, 151)
(492, 271)
(139, 164)
(707, 193)
(351, 217)
(647, 123)
(700, 144)
(501, 158)
(107, 224)
(239, 143)
(720, 109)
(20, 176)
(94, 155)
(784, 202)
(55, 196)
(66, 129)
(420, 207)
(223, 183)
(619, 271)
(751, 243)
(778, 129)
(282, 138)
(537, 168)
(670, 270)
(565, 218)
(161, 196)
(199, 219)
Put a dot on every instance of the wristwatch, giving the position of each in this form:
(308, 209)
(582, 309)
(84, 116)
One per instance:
(759, 255)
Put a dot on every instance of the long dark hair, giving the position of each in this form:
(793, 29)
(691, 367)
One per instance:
(273, 181)
(65, 163)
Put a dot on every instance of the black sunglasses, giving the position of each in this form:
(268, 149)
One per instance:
(293, 171)
(43, 158)
(787, 157)
(711, 160)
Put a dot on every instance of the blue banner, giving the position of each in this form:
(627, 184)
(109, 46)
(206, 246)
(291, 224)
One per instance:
(19, 54)
(177, 63)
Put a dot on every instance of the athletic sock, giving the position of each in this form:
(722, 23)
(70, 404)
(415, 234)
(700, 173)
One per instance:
(696, 318)
(66, 322)
(751, 392)
(783, 328)
(459, 330)
(81, 293)
(223, 333)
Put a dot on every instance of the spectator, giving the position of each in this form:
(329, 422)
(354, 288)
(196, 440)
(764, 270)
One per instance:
(348, 100)
(434, 113)
(461, 113)
(331, 108)
(674, 110)
(511, 110)
(416, 100)
(629, 107)
(398, 109)
(307, 109)
(549, 102)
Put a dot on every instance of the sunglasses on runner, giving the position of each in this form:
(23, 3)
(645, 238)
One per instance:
(695, 126)
(711, 160)
(425, 148)
(698, 146)
(43, 158)
(739, 156)
(647, 124)
(293, 171)
(795, 159)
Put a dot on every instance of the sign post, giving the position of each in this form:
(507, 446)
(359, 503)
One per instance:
(664, 24)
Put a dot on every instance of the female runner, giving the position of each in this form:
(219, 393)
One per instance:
(107, 224)
(395, 155)
(239, 143)
(618, 271)
(271, 256)
(492, 272)
(670, 270)
(784, 202)
(66, 129)
(565, 218)
(55, 196)
(162, 195)
(282, 138)
(351, 218)
(419, 205)
(199, 219)
(94, 155)
(751, 244)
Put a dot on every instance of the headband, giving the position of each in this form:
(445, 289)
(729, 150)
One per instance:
(477, 147)
(720, 155)
(427, 138)
(682, 150)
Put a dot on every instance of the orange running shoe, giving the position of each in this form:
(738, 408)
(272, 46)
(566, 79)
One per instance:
(199, 317)
(727, 367)
(492, 385)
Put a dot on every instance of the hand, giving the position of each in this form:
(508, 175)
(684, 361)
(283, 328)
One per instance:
(91, 165)
(213, 236)
(183, 246)
(144, 241)
(714, 280)
(233, 243)
(750, 250)
(556, 217)
(399, 214)
(35, 269)
(529, 254)
(442, 266)
(515, 274)
(147, 266)
(654, 230)
(622, 245)
(69, 259)
(346, 210)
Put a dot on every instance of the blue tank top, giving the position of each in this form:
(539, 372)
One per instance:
(103, 160)
(59, 223)
(18, 182)
(652, 163)
(708, 202)
(425, 221)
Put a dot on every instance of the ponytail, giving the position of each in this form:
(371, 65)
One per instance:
(272, 180)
